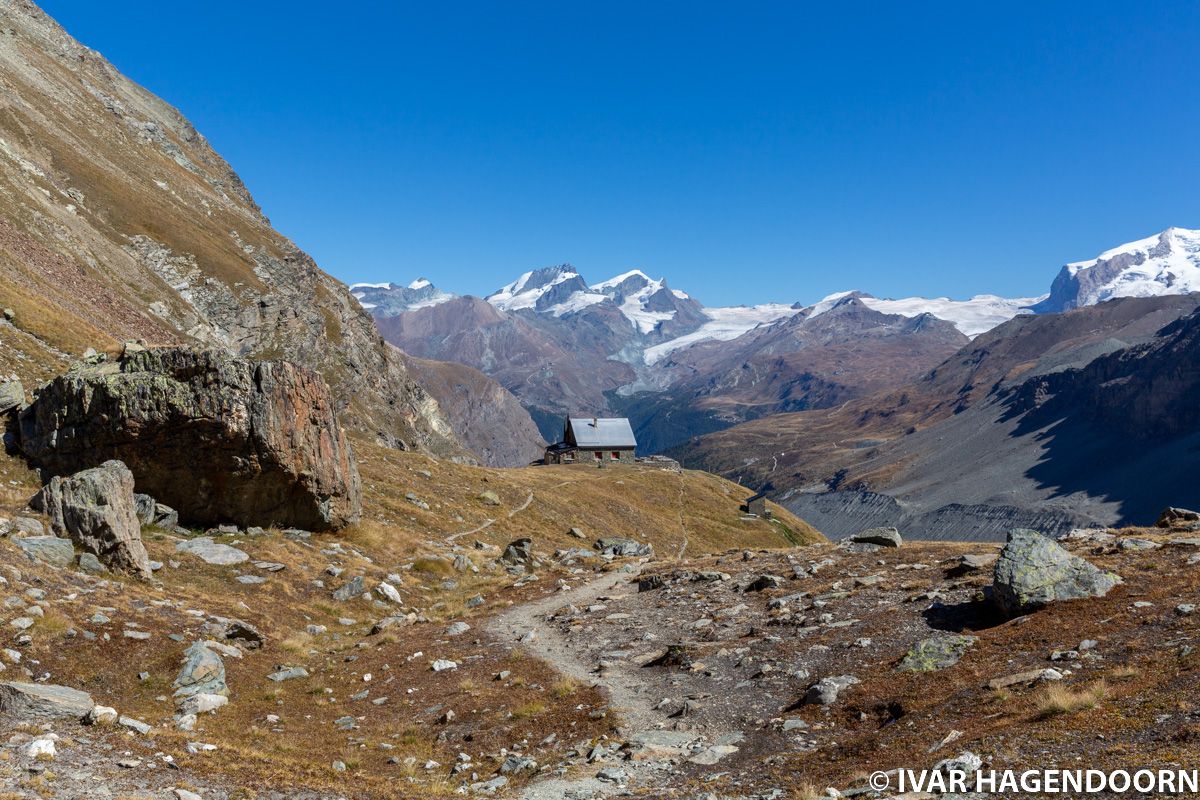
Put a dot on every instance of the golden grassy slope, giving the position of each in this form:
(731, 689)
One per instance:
(396, 538)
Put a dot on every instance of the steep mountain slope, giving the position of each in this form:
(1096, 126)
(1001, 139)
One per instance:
(487, 418)
(948, 456)
(1166, 263)
(118, 221)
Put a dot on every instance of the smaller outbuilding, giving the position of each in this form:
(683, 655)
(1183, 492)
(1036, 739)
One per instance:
(757, 505)
(594, 439)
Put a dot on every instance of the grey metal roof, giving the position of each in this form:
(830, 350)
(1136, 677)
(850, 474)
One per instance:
(610, 432)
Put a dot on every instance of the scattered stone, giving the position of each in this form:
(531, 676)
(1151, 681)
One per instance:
(489, 498)
(100, 715)
(348, 591)
(457, 628)
(442, 664)
(134, 724)
(650, 583)
(825, 692)
(202, 703)
(884, 537)
(763, 582)
(519, 552)
(28, 526)
(90, 564)
(490, 787)
(1033, 570)
(1029, 676)
(576, 533)
(936, 652)
(613, 775)
(389, 592)
(977, 562)
(620, 547)
(287, 674)
(245, 633)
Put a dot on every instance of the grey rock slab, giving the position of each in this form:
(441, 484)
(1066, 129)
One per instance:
(287, 674)
(210, 552)
(43, 700)
(48, 550)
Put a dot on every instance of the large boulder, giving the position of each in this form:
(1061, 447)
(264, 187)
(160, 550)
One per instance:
(1033, 570)
(219, 438)
(95, 509)
(884, 537)
(203, 672)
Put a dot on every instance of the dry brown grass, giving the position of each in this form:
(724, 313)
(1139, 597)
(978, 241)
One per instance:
(1057, 699)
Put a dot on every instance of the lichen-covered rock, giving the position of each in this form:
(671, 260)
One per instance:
(95, 508)
(203, 672)
(1033, 570)
(936, 652)
(217, 437)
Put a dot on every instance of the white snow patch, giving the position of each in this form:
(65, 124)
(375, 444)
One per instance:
(354, 286)
(619, 279)
(577, 302)
(723, 325)
(419, 283)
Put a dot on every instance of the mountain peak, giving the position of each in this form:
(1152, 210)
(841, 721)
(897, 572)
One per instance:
(1165, 263)
(389, 299)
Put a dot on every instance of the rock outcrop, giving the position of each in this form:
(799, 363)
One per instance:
(95, 508)
(216, 437)
(1033, 571)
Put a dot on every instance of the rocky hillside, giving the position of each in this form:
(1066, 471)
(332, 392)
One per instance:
(979, 444)
(119, 221)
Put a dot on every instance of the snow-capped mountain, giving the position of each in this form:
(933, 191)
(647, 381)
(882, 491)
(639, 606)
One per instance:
(1166, 263)
(631, 344)
(975, 316)
(389, 299)
(651, 308)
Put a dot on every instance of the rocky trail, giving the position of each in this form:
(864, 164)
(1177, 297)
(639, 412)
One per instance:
(633, 697)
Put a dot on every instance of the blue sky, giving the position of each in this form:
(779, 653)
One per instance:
(746, 151)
